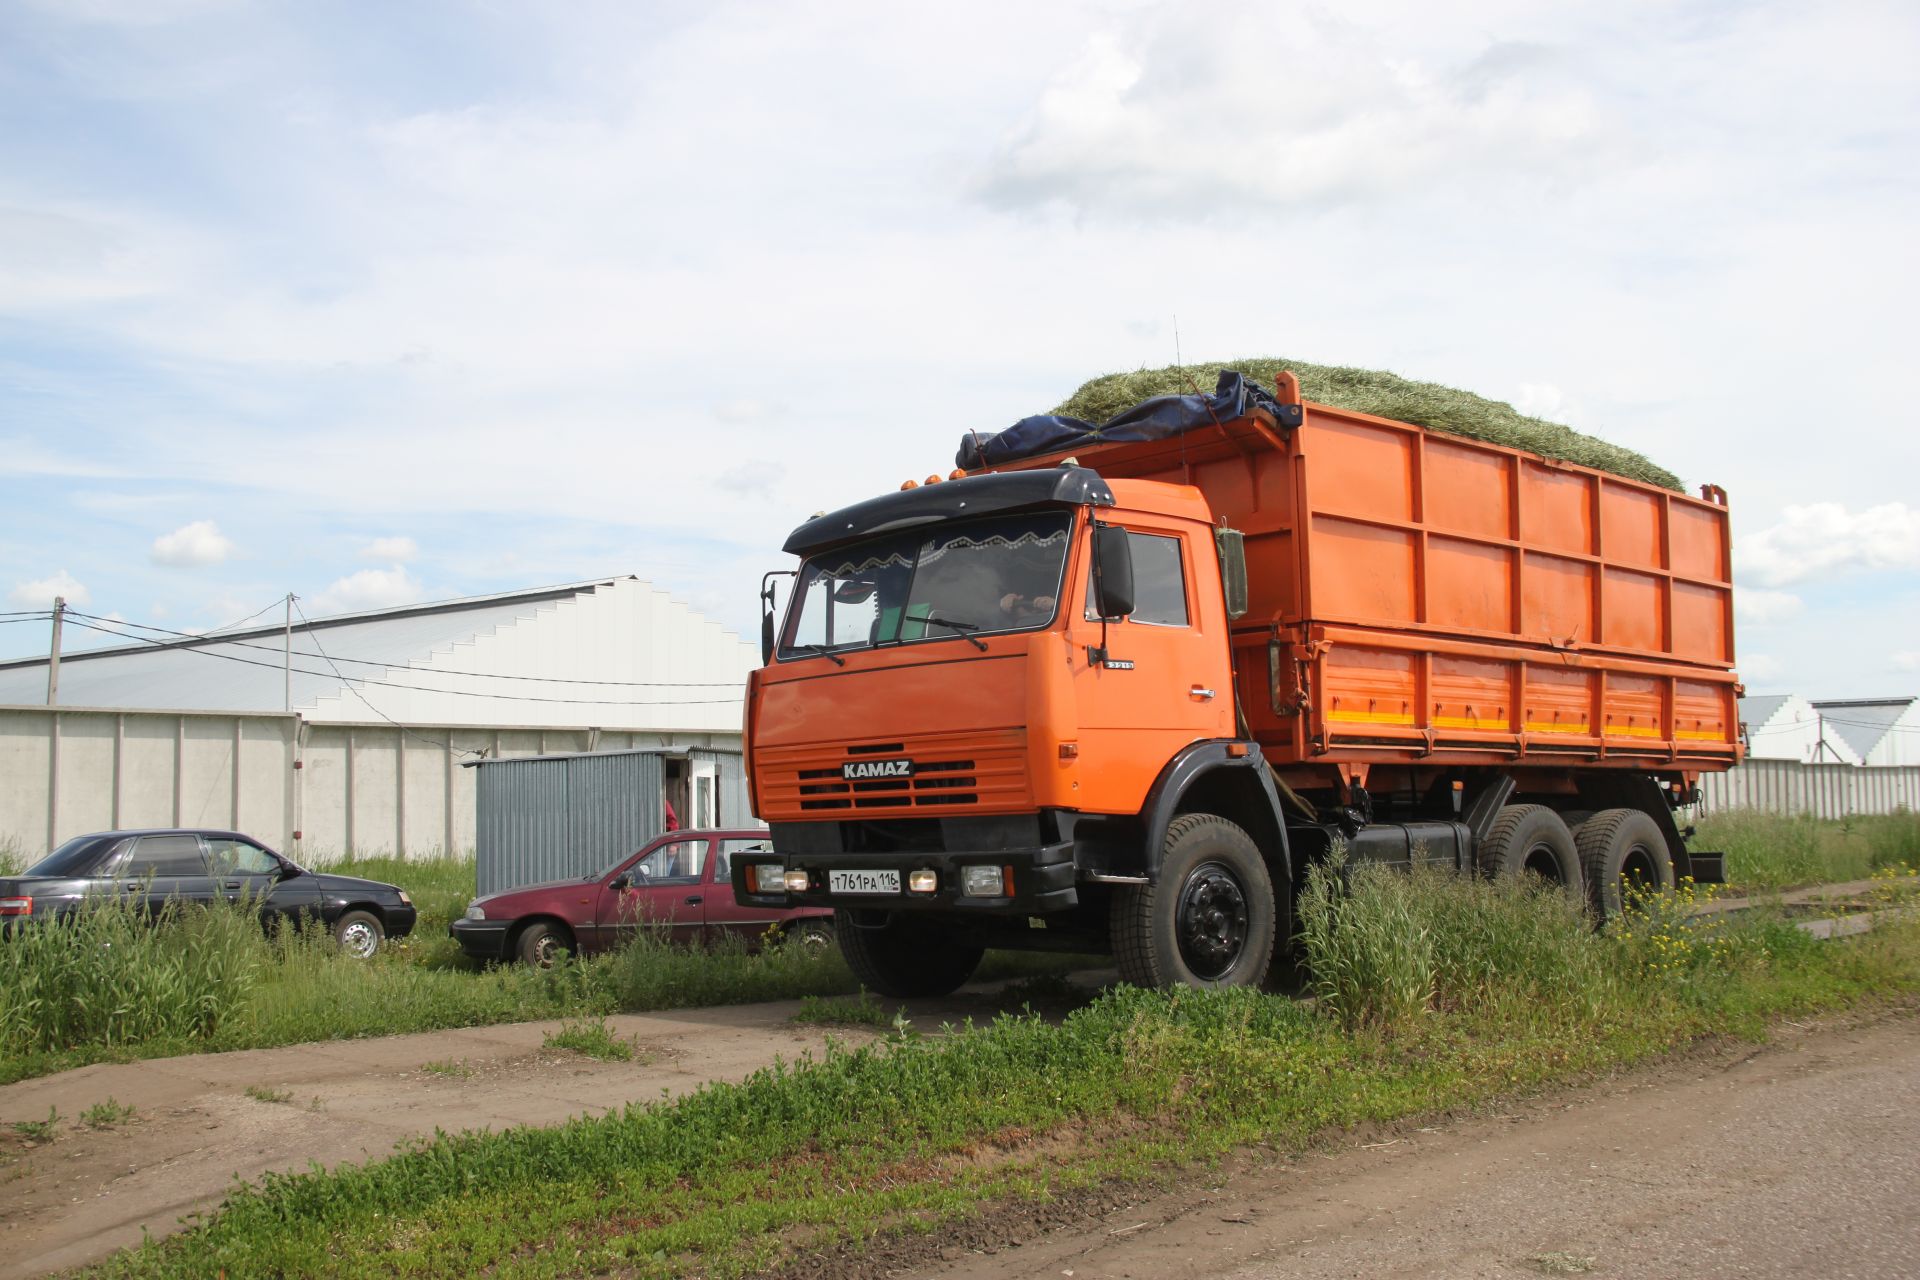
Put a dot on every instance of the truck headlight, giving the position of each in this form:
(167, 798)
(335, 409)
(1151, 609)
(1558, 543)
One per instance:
(981, 882)
(796, 881)
(922, 881)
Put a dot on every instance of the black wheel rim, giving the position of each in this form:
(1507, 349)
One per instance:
(1211, 921)
(1639, 874)
(1543, 862)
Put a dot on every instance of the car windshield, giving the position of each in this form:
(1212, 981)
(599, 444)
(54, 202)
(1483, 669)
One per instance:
(951, 580)
(73, 858)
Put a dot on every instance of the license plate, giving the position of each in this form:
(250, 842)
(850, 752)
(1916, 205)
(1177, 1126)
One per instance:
(863, 881)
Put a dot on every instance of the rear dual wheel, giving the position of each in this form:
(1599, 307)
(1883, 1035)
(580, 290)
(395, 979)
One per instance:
(1624, 852)
(1212, 918)
(1531, 840)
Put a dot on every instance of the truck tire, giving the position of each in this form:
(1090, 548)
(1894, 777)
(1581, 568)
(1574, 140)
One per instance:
(1531, 839)
(905, 961)
(1211, 920)
(1620, 847)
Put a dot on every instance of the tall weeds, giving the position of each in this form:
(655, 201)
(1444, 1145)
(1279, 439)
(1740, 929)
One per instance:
(1385, 946)
(108, 976)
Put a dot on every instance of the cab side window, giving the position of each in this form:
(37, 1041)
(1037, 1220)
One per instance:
(1159, 582)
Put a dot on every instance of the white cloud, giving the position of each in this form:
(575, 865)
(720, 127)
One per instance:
(1542, 400)
(1760, 666)
(1758, 607)
(41, 594)
(199, 543)
(1906, 660)
(393, 550)
(1824, 538)
(1172, 115)
(368, 589)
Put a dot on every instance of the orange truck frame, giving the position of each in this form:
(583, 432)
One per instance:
(1120, 701)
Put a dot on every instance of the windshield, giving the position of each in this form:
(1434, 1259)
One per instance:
(937, 583)
(70, 859)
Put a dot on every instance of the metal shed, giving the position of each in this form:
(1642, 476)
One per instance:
(559, 817)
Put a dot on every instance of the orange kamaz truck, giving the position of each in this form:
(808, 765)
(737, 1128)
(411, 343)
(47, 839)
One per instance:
(1114, 689)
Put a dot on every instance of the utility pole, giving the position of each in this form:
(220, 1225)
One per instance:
(286, 658)
(53, 653)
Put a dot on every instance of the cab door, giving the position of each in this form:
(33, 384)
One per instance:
(659, 893)
(1161, 678)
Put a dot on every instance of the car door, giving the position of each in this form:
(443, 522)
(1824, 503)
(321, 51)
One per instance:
(159, 869)
(725, 916)
(659, 893)
(245, 871)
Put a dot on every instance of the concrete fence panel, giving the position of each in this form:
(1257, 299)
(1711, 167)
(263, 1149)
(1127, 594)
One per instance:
(1823, 790)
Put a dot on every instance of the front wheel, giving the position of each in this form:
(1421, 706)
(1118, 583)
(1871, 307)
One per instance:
(543, 942)
(1212, 918)
(902, 959)
(359, 934)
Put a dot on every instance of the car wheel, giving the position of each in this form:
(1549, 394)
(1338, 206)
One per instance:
(359, 934)
(812, 936)
(543, 942)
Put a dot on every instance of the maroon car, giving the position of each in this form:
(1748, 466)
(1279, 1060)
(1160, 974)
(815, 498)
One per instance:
(679, 886)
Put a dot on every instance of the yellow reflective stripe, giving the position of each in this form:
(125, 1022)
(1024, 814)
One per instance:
(1372, 717)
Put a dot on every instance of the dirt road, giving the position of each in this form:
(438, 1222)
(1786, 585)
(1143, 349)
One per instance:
(196, 1125)
(1798, 1159)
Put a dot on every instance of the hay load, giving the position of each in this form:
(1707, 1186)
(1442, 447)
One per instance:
(1386, 395)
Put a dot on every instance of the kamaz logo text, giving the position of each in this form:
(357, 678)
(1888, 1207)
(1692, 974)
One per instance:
(861, 770)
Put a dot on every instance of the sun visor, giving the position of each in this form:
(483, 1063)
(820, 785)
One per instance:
(951, 500)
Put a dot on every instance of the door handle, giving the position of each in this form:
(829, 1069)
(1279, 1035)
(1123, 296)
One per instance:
(1201, 692)
(693, 899)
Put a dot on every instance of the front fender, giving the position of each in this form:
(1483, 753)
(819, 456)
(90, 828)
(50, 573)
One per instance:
(1224, 776)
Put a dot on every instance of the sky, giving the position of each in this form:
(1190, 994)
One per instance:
(380, 303)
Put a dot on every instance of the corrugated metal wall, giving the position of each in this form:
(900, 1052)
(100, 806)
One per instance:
(562, 817)
(1823, 790)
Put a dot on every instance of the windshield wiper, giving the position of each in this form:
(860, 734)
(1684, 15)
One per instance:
(823, 651)
(966, 630)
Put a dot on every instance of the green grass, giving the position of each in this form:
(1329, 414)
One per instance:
(862, 1010)
(106, 1115)
(263, 1093)
(1769, 851)
(1508, 994)
(38, 1130)
(1386, 395)
(593, 1039)
(447, 1068)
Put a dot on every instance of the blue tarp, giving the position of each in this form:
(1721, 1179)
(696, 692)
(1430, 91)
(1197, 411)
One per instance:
(1160, 418)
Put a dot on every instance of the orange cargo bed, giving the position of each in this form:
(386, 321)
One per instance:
(1417, 596)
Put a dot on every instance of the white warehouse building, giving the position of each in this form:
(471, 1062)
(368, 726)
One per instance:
(353, 740)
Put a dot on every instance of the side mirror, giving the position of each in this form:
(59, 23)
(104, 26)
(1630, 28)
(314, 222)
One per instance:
(1112, 571)
(766, 637)
(621, 883)
(1232, 545)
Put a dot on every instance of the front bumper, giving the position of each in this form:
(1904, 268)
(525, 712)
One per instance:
(400, 920)
(482, 939)
(1043, 880)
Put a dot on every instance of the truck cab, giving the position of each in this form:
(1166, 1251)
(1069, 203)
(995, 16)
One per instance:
(975, 684)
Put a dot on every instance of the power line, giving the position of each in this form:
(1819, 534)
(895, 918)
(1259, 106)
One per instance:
(417, 737)
(214, 637)
(392, 684)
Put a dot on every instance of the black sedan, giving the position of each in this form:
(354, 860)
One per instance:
(199, 866)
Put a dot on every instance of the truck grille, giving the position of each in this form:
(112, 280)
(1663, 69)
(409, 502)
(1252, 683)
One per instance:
(970, 771)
